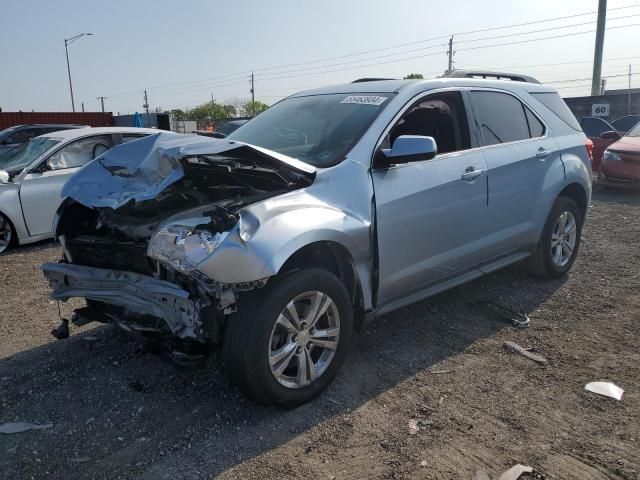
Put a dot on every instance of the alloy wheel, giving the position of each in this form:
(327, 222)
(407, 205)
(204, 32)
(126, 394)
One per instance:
(304, 339)
(563, 239)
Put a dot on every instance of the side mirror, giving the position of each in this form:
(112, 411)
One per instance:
(611, 135)
(410, 148)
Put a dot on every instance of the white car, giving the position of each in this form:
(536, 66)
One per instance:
(33, 174)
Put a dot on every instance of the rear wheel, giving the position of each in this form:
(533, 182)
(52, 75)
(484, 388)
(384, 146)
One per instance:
(290, 338)
(7, 236)
(560, 240)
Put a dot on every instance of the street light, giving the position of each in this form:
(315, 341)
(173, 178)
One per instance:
(67, 42)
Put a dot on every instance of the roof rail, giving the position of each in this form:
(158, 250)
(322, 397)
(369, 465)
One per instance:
(515, 77)
(362, 80)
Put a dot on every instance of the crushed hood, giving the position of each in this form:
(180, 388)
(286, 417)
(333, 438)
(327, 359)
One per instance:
(140, 170)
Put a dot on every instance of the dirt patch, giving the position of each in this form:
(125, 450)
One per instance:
(121, 413)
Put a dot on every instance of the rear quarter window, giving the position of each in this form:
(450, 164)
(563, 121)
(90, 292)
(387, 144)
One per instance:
(558, 106)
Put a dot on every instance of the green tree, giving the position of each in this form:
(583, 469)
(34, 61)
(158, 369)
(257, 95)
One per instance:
(251, 109)
(178, 114)
(414, 76)
(212, 111)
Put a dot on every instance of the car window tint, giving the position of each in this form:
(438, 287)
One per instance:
(557, 105)
(20, 136)
(441, 116)
(500, 117)
(536, 128)
(80, 152)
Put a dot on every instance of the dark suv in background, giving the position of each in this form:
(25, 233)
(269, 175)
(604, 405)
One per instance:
(13, 137)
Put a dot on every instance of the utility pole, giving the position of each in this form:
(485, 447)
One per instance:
(597, 55)
(253, 96)
(146, 106)
(67, 42)
(102, 99)
(629, 94)
(450, 55)
(211, 97)
(253, 91)
(603, 86)
(82, 107)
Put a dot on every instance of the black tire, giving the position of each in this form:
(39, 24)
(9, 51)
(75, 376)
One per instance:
(248, 335)
(541, 261)
(4, 221)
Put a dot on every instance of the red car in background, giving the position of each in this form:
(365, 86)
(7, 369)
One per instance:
(621, 160)
(603, 134)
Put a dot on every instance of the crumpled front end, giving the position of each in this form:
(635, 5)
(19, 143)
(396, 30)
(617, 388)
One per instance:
(139, 220)
(136, 295)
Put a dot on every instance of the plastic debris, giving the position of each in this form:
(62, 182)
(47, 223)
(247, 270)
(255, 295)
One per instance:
(607, 389)
(61, 331)
(80, 459)
(518, 319)
(413, 427)
(531, 356)
(19, 427)
(515, 472)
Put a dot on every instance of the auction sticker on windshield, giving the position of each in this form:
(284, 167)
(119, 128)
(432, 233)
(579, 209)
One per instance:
(365, 99)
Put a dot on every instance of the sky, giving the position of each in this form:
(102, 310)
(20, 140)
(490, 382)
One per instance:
(186, 52)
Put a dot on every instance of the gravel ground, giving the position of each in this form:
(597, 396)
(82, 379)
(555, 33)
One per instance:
(440, 365)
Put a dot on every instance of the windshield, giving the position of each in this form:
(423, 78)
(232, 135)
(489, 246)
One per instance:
(14, 161)
(634, 132)
(317, 129)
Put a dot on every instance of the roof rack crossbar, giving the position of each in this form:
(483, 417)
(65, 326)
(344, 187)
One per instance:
(515, 77)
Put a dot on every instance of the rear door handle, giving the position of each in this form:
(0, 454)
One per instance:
(470, 174)
(542, 153)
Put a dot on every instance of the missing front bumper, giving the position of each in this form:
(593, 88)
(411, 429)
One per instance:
(139, 294)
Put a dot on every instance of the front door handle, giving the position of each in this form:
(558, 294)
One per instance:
(542, 153)
(470, 174)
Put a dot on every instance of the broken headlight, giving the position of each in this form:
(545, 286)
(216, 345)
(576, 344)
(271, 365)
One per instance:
(183, 246)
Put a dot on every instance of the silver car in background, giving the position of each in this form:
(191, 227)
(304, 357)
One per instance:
(32, 176)
(332, 207)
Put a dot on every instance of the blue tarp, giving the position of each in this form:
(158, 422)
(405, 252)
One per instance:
(137, 120)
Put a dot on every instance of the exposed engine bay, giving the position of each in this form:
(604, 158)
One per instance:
(135, 257)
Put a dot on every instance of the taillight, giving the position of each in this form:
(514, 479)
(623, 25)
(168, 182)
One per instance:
(588, 144)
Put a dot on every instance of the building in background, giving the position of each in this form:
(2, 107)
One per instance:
(152, 120)
(610, 106)
(93, 119)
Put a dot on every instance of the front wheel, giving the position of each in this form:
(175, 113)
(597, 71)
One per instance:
(560, 240)
(7, 237)
(290, 338)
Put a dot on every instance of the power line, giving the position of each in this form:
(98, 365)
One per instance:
(264, 75)
(549, 64)
(243, 73)
(543, 29)
(545, 38)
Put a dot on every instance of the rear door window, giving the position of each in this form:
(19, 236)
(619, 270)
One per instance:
(536, 128)
(500, 117)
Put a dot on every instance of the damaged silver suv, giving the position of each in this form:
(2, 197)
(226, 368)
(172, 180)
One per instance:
(331, 207)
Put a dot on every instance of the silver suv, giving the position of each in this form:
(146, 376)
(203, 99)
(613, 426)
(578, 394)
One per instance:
(328, 209)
